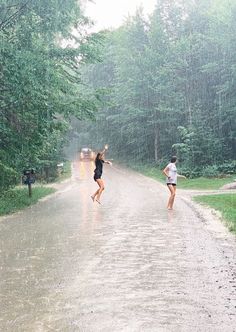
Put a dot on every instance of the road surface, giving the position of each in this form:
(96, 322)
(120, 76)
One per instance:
(128, 265)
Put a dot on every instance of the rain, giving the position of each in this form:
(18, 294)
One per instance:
(117, 165)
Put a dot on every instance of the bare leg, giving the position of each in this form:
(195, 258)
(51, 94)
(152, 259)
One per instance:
(95, 194)
(173, 197)
(172, 190)
(100, 190)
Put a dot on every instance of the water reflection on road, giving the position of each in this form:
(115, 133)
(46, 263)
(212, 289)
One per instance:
(68, 264)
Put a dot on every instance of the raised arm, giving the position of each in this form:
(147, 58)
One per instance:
(103, 152)
(105, 149)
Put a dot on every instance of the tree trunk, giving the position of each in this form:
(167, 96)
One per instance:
(156, 145)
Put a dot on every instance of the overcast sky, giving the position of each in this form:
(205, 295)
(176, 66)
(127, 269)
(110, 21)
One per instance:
(111, 13)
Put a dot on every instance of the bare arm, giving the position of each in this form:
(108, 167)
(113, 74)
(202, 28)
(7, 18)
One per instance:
(103, 152)
(166, 171)
(105, 149)
(181, 176)
(106, 161)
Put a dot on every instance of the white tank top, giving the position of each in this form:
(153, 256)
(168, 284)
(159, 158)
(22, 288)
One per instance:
(172, 173)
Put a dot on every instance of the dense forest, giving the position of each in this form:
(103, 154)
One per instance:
(43, 45)
(168, 85)
(152, 88)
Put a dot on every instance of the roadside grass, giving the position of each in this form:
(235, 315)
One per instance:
(225, 203)
(151, 171)
(205, 183)
(197, 183)
(18, 198)
(66, 172)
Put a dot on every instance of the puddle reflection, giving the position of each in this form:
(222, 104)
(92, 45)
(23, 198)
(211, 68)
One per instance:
(90, 212)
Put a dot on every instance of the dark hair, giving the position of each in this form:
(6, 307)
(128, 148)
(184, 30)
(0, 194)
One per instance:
(173, 159)
(98, 155)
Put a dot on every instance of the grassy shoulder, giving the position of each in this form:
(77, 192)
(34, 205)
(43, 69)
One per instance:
(195, 184)
(225, 203)
(65, 172)
(18, 198)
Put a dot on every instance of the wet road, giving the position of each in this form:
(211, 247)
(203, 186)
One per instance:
(129, 265)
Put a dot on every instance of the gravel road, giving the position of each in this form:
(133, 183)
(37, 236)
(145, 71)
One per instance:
(128, 265)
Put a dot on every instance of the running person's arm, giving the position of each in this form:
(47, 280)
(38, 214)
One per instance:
(106, 161)
(181, 176)
(105, 149)
(103, 152)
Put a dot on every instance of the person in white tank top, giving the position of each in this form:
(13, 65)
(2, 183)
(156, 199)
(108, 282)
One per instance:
(171, 174)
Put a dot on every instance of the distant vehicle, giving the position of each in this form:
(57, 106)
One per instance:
(86, 154)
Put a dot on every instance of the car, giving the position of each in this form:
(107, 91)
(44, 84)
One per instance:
(86, 154)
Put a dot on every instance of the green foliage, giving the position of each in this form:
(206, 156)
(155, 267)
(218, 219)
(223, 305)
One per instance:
(185, 148)
(40, 80)
(190, 172)
(8, 177)
(194, 182)
(227, 168)
(65, 172)
(169, 86)
(225, 203)
(18, 198)
(210, 171)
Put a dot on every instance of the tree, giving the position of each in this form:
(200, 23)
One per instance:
(171, 85)
(40, 79)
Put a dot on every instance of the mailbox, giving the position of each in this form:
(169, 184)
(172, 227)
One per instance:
(28, 176)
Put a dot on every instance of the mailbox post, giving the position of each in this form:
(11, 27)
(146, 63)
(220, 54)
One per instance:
(29, 178)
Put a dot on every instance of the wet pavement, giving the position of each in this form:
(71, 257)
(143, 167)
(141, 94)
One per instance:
(128, 265)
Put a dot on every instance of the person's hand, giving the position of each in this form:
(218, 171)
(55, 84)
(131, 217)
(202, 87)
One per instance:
(110, 163)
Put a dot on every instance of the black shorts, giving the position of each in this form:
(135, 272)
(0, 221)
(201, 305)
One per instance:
(171, 184)
(97, 176)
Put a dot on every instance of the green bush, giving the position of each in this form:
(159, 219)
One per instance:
(161, 164)
(18, 198)
(210, 171)
(8, 177)
(190, 173)
(228, 167)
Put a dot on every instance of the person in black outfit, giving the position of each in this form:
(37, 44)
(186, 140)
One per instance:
(99, 161)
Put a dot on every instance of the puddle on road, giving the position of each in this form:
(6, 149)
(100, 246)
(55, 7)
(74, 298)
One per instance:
(128, 263)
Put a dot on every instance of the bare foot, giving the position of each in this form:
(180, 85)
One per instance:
(98, 201)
